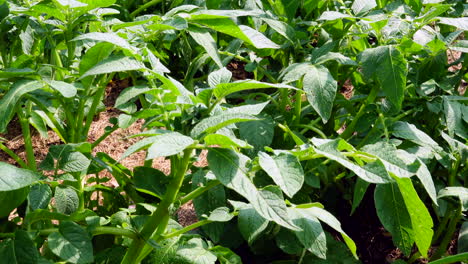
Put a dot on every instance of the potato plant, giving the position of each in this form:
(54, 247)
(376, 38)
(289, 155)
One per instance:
(349, 103)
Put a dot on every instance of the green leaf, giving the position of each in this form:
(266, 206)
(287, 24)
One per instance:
(13, 178)
(66, 200)
(332, 222)
(282, 28)
(388, 66)
(224, 89)
(150, 181)
(129, 93)
(12, 98)
(459, 192)
(225, 255)
(259, 133)
(251, 224)
(411, 132)
(213, 123)
(416, 5)
(224, 141)
(333, 15)
(453, 111)
(204, 38)
(312, 235)
(11, 200)
(257, 39)
(362, 6)
(320, 89)
(250, 109)
(222, 75)
(389, 155)
(114, 64)
(93, 56)
(209, 201)
(25, 249)
(7, 251)
(168, 144)
(372, 172)
(106, 37)
(15, 73)
(360, 188)
(65, 89)
(220, 214)
(421, 220)
(338, 57)
(72, 243)
(230, 169)
(39, 196)
(196, 252)
(460, 22)
(285, 170)
(73, 161)
(394, 216)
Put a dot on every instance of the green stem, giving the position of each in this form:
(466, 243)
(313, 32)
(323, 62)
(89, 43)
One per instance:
(143, 7)
(58, 127)
(14, 156)
(27, 139)
(453, 172)
(104, 136)
(187, 228)
(313, 128)
(449, 231)
(198, 191)
(451, 259)
(156, 218)
(298, 107)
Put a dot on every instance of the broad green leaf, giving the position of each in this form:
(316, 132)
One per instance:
(142, 144)
(394, 216)
(460, 22)
(220, 214)
(460, 192)
(224, 89)
(372, 172)
(204, 38)
(14, 73)
(11, 200)
(12, 98)
(411, 132)
(94, 55)
(258, 133)
(114, 64)
(222, 75)
(195, 251)
(360, 188)
(25, 249)
(209, 201)
(424, 175)
(282, 28)
(331, 221)
(230, 168)
(333, 15)
(285, 170)
(7, 251)
(129, 93)
(106, 37)
(453, 111)
(13, 178)
(288, 242)
(150, 181)
(250, 109)
(294, 72)
(416, 5)
(258, 39)
(66, 200)
(388, 66)
(65, 89)
(338, 57)
(362, 6)
(225, 255)
(168, 144)
(251, 224)
(73, 161)
(320, 89)
(312, 235)
(393, 162)
(70, 3)
(71, 243)
(213, 123)
(421, 220)
(39, 196)
(224, 141)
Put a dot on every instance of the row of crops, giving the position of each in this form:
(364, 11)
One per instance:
(328, 127)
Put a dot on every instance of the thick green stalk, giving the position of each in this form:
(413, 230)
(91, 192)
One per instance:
(27, 139)
(92, 111)
(143, 7)
(136, 248)
(298, 107)
(449, 231)
(198, 191)
(453, 172)
(14, 156)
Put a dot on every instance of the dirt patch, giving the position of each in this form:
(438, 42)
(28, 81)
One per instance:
(238, 70)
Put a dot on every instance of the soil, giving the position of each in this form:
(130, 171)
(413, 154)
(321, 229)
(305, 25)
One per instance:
(238, 70)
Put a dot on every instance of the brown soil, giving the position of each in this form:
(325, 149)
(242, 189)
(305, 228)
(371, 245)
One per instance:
(238, 70)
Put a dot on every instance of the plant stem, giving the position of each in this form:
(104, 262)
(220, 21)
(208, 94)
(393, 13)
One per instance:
(14, 156)
(453, 172)
(187, 228)
(451, 259)
(27, 139)
(143, 7)
(298, 107)
(156, 218)
(104, 136)
(198, 191)
(450, 230)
